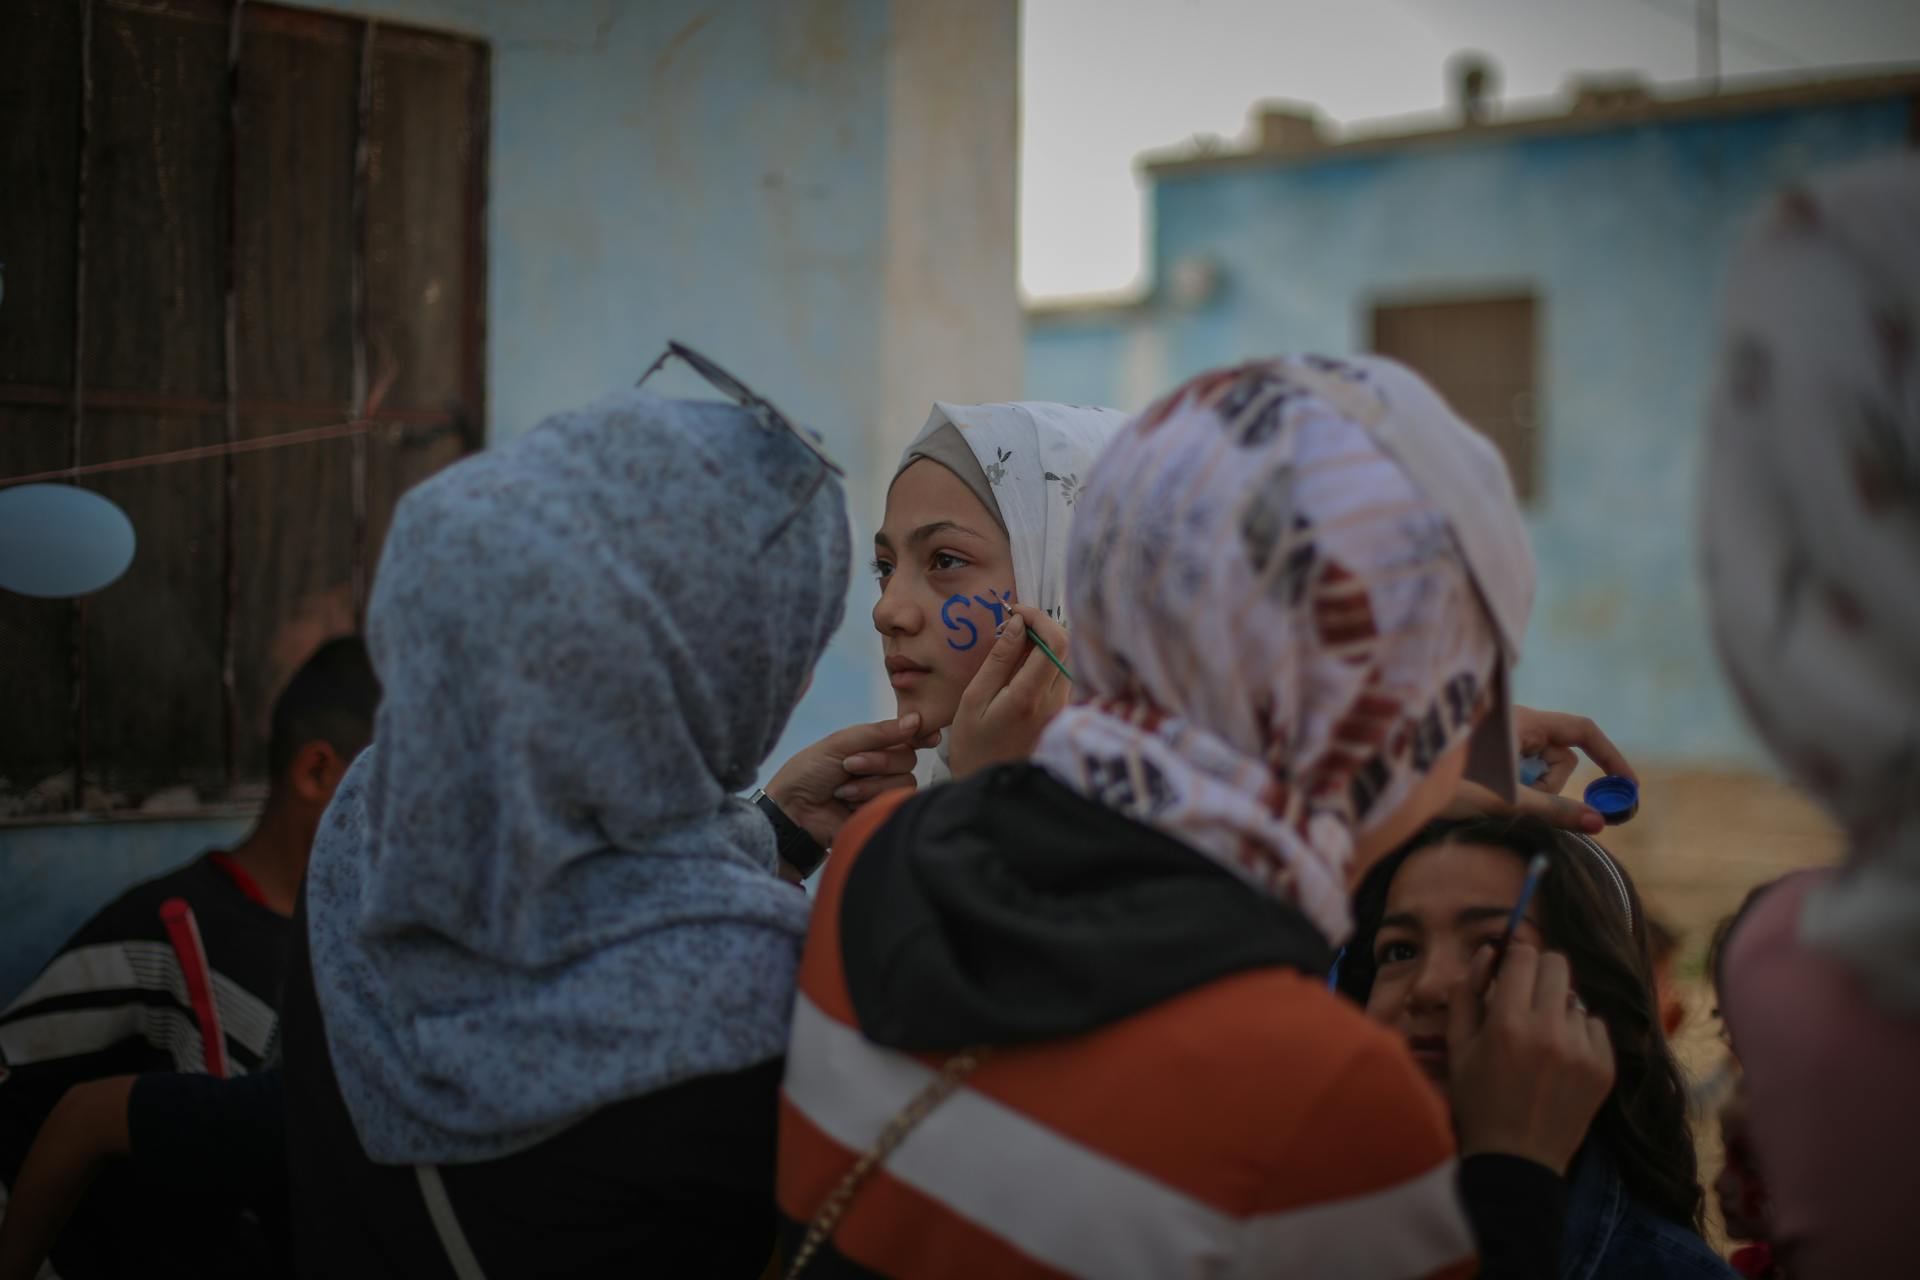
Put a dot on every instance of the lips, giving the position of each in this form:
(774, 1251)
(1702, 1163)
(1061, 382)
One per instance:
(904, 672)
(1430, 1053)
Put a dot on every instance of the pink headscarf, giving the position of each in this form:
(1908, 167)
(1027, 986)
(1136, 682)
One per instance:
(1275, 632)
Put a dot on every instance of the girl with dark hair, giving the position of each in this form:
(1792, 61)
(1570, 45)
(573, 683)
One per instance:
(1423, 915)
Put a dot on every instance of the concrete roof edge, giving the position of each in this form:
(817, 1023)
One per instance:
(1773, 95)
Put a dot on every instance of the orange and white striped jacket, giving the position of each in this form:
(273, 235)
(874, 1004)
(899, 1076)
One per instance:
(1254, 1124)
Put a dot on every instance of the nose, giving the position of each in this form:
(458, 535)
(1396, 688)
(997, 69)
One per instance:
(1441, 969)
(896, 613)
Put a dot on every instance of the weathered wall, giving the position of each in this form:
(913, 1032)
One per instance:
(1622, 235)
(817, 193)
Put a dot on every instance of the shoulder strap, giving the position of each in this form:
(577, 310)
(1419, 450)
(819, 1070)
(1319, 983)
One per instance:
(446, 1224)
(937, 1091)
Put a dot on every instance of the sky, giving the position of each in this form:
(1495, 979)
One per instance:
(1103, 80)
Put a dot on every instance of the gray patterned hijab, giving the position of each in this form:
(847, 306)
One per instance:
(537, 894)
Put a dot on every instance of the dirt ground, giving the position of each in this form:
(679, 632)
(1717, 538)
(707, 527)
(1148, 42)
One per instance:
(1701, 840)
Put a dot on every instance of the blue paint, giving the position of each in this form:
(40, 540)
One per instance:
(1621, 234)
(1000, 604)
(947, 620)
(996, 600)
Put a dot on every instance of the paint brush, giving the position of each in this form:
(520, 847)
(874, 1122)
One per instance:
(1536, 868)
(1051, 657)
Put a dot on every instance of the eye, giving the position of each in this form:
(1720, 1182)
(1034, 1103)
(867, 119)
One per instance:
(881, 570)
(1395, 952)
(944, 561)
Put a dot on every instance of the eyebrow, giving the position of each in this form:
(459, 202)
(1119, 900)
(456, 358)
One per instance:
(1466, 915)
(927, 531)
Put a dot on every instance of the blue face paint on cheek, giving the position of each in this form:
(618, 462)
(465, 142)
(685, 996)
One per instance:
(998, 604)
(955, 624)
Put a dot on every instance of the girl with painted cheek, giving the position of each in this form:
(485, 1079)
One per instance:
(974, 536)
(944, 568)
(1430, 916)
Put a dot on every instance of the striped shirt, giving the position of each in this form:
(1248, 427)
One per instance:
(118, 999)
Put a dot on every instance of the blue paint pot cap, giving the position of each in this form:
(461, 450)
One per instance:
(1615, 797)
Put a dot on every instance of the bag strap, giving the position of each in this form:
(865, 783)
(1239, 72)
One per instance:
(446, 1224)
(938, 1090)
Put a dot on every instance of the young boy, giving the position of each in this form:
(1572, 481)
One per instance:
(183, 972)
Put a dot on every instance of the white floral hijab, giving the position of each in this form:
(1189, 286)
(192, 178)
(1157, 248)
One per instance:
(1035, 457)
(1811, 535)
(1279, 634)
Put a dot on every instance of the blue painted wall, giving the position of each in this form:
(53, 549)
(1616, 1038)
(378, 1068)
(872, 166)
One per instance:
(719, 173)
(1622, 235)
(713, 173)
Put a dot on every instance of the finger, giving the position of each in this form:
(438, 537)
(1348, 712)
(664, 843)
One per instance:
(1561, 811)
(1481, 970)
(929, 742)
(1511, 995)
(1600, 1045)
(1553, 985)
(1464, 1004)
(892, 760)
(1560, 764)
(1002, 662)
(1578, 731)
(1034, 682)
(861, 790)
(1471, 800)
(877, 736)
(1046, 628)
(1050, 633)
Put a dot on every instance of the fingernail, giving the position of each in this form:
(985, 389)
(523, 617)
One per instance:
(854, 764)
(910, 722)
(1591, 822)
(844, 793)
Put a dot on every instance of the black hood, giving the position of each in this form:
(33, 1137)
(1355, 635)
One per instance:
(1007, 908)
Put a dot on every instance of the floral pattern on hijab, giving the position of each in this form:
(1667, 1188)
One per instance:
(1277, 635)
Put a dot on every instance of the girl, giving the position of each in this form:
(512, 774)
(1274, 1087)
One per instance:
(975, 532)
(536, 1010)
(977, 519)
(1422, 916)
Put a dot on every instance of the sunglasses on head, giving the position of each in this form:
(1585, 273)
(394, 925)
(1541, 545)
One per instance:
(763, 412)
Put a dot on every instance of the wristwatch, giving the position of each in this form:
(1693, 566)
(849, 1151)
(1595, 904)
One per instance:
(797, 849)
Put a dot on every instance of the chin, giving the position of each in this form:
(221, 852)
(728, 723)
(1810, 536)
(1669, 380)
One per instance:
(936, 712)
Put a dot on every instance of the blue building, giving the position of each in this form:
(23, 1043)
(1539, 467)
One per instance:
(1557, 277)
